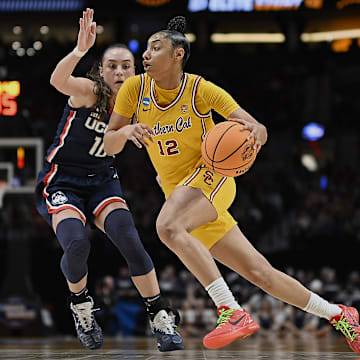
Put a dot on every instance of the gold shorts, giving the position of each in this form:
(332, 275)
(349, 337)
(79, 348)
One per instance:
(221, 192)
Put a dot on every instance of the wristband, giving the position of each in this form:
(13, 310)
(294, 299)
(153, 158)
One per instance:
(79, 53)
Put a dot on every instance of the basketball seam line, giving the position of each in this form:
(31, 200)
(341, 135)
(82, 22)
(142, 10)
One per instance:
(231, 153)
(212, 160)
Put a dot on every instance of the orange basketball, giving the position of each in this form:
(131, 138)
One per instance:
(226, 149)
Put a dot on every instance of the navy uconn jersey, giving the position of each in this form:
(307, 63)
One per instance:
(79, 139)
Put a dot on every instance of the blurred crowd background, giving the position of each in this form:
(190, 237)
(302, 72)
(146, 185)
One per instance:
(299, 204)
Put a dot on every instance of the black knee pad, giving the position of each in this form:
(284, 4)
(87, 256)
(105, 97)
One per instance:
(120, 228)
(76, 246)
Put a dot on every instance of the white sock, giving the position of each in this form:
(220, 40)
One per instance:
(221, 294)
(320, 307)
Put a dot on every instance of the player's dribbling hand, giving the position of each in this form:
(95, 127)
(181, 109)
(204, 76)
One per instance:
(87, 32)
(257, 131)
(138, 134)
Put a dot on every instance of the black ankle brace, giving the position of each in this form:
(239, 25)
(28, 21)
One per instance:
(77, 298)
(155, 304)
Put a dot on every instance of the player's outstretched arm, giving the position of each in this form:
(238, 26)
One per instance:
(61, 77)
(119, 132)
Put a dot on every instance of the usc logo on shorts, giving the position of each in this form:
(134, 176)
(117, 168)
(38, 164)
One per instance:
(208, 177)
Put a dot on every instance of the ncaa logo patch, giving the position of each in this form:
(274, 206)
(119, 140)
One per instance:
(58, 198)
(146, 101)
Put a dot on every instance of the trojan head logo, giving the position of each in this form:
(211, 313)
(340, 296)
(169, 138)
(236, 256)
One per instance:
(247, 152)
(184, 109)
(58, 198)
(208, 177)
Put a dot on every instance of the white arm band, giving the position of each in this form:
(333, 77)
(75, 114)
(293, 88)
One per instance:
(79, 53)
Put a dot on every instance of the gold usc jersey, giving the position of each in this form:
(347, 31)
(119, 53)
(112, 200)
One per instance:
(179, 117)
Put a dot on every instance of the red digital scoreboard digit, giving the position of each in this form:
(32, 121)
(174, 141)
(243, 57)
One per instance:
(9, 91)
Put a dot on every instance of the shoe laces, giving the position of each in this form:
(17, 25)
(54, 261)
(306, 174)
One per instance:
(224, 316)
(84, 313)
(164, 322)
(343, 325)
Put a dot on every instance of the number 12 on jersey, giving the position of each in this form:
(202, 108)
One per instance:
(169, 148)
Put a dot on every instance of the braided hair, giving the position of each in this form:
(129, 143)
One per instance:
(101, 89)
(176, 33)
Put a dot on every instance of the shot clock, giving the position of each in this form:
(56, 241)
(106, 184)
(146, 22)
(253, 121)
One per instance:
(9, 91)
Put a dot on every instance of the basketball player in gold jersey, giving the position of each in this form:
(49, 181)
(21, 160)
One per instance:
(173, 112)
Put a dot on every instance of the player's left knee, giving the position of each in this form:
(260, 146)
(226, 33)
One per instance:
(120, 228)
(168, 231)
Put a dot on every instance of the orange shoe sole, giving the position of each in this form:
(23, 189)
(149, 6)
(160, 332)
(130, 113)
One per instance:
(216, 342)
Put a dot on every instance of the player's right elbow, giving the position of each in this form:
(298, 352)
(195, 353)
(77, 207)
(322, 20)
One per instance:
(54, 82)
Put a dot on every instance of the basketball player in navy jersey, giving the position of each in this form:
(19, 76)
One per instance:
(78, 184)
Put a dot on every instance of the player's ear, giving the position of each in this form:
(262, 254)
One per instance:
(179, 53)
(101, 72)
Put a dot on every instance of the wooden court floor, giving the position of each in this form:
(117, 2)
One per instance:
(144, 349)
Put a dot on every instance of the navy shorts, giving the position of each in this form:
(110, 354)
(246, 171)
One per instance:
(60, 187)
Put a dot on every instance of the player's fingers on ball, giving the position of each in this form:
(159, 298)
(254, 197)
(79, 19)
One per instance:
(251, 135)
(244, 126)
(257, 145)
(236, 120)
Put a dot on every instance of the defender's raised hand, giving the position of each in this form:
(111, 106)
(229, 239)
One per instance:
(87, 32)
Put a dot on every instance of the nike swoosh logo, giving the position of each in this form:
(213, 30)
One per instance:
(237, 321)
(146, 109)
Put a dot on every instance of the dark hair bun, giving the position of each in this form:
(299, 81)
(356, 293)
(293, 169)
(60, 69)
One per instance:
(178, 23)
